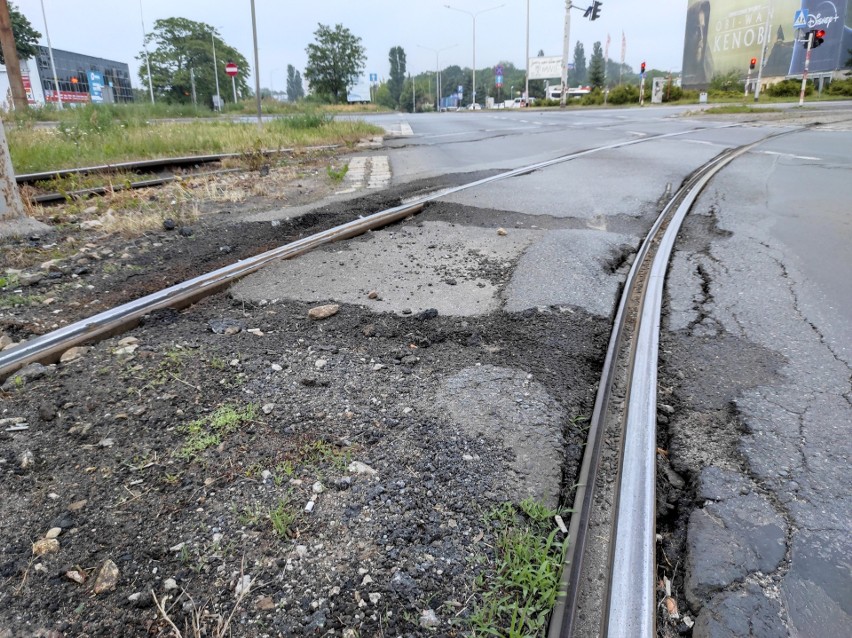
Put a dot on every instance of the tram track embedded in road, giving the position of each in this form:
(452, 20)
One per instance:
(608, 586)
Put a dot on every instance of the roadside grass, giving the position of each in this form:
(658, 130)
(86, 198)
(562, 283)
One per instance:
(93, 136)
(520, 589)
(207, 432)
(337, 174)
(734, 108)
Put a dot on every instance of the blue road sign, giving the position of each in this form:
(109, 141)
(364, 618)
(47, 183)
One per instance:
(498, 70)
(498, 80)
(374, 77)
(800, 19)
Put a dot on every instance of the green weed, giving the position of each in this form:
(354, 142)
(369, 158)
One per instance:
(204, 433)
(520, 593)
(337, 175)
(282, 517)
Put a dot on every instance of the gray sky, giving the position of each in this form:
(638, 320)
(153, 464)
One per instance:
(112, 29)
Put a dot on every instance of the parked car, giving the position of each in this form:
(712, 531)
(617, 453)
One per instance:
(474, 107)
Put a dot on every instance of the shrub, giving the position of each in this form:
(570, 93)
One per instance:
(593, 98)
(672, 93)
(840, 87)
(789, 88)
(624, 94)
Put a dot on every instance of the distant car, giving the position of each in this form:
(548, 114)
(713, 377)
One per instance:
(474, 107)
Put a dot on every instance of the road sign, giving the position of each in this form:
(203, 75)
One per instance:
(374, 77)
(231, 69)
(498, 70)
(498, 80)
(800, 19)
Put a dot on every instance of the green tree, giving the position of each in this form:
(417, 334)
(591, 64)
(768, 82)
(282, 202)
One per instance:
(335, 61)
(396, 57)
(578, 75)
(26, 38)
(295, 90)
(180, 48)
(727, 82)
(384, 97)
(596, 66)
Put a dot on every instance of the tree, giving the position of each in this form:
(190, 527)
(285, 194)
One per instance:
(596, 66)
(295, 91)
(579, 72)
(335, 61)
(396, 57)
(26, 38)
(184, 48)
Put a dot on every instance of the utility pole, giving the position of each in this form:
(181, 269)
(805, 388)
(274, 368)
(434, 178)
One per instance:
(52, 63)
(10, 54)
(807, 64)
(192, 83)
(256, 69)
(527, 80)
(762, 55)
(566, 51)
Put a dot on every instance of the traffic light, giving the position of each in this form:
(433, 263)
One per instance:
(596, 10)
(642, 69)
(752, 63)
(819, 36)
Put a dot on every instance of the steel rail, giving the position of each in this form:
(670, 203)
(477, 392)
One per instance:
(49, 347)
(142, 165)
(629, 610)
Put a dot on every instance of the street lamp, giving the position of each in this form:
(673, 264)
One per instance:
(437, 73)
(52, 63)
(145, 47)
(216, 72)
(473, 16)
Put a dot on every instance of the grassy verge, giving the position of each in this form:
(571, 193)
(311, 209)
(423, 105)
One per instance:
(93, 135)
(735, 108)
(521, 590)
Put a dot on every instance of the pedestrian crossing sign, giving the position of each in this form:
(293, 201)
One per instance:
(800, 19)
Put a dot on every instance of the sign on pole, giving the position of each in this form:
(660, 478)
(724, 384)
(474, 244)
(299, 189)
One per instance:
(800, 19)
(231, 69)
(374, 77)
(545, 67)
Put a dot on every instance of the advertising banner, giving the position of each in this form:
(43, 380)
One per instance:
(67, 96)
(96, 87)
(28, 88)
(723, 35)
(546, 67)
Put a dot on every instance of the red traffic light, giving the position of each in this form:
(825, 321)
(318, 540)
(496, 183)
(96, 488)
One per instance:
(752, 63)
(820, 33)
(819, 36)
(642, 67)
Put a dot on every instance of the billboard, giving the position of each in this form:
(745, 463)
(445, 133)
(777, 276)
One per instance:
(723, 35)
(546, 67)
(96, 86)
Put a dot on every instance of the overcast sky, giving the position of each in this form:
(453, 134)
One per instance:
(112, 29)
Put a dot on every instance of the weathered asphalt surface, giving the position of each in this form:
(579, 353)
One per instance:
(756, 353)
(761, 312)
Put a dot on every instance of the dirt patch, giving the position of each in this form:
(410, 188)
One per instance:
(190, 459)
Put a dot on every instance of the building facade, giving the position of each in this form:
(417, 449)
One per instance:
(724, 35)
(83, 78)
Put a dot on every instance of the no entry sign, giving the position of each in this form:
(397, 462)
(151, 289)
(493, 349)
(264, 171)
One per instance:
(231, 69)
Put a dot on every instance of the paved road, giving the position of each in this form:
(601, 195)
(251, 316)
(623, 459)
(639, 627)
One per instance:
(756, 354)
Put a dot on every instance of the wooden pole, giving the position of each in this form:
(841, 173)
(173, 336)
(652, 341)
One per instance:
(10, 55)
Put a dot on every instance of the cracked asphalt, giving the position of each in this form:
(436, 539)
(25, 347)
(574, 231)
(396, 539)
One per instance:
(757, 352)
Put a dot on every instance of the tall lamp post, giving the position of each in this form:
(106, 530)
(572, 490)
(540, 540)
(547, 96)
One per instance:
(52, 63)
(437, 73)
(145, 47)
(473, 17)
(216, 73)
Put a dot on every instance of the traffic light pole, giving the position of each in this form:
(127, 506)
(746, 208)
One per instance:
(807, 64)
(748, 81)
(762, 56)
(642, 90)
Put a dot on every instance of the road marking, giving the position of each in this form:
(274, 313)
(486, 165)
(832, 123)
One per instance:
(790, 155)
(366, 172)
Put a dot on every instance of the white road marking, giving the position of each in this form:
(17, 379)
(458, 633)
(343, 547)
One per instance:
(366, 172)
(790, 155)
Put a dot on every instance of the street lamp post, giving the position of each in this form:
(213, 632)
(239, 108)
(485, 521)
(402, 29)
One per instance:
(473, 17)
(437, 73)
(52, 63)
(216, 72)
(145, 47)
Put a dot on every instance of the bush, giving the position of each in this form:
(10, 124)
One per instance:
(689, 95)
(726, 83)
(840, 87)
(593, 98)
(789, 88)
(623, 94)
(672, 93)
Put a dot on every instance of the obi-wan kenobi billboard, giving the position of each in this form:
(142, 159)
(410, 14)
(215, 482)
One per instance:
(724, 35)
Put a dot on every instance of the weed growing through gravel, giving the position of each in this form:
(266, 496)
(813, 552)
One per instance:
(204, 433)
(283, 515)
(338, 174)
(521, 591)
